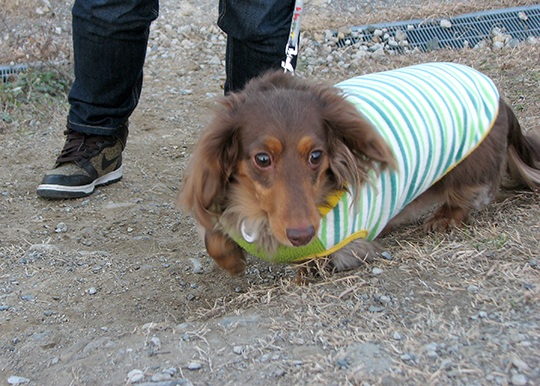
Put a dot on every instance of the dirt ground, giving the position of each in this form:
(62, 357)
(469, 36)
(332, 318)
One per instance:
(117, 287)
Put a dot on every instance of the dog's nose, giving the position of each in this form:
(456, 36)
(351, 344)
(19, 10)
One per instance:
(299, 237)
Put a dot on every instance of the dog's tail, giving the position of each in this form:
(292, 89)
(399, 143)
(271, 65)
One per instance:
(523, 156)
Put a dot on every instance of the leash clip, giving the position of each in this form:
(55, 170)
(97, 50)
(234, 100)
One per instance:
(292, 45)
(287, 64)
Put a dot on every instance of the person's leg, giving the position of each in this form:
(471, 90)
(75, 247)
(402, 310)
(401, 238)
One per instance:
(257, 35)
(245, 60)
(109, 42)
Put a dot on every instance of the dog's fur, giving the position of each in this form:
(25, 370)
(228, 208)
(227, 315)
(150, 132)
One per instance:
(274, 152)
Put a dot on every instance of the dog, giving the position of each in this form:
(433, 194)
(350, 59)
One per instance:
(290, 169)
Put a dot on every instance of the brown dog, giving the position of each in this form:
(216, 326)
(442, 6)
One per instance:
(268, 172)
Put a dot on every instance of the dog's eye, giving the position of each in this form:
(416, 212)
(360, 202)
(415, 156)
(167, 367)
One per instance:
(315, 157)
(263, 160)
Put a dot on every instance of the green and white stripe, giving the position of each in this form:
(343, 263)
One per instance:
(432, 116)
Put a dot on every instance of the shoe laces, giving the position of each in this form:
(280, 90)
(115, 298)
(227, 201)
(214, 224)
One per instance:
(79, 146)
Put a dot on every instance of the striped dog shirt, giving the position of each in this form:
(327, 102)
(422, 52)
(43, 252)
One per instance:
(432, 116)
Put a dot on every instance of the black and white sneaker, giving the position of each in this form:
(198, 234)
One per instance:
(86, 161)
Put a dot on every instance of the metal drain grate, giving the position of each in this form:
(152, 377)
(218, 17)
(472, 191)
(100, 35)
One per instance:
(7, 71)
(519, 23)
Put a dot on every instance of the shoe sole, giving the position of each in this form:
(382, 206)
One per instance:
(64, 191)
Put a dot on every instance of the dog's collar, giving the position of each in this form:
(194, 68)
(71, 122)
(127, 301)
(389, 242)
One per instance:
(286, 254)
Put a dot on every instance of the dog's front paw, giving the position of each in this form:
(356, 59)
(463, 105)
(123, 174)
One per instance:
(225, 252)
(354, 254)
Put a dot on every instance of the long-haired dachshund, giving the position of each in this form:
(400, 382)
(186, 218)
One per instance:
(290, 169)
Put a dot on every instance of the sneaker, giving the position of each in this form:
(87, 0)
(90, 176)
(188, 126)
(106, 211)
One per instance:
(86, 161)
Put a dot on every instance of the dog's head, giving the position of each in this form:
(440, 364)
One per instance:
(272, 155)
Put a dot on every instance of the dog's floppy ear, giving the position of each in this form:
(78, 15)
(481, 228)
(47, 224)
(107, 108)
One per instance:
(355, 146)
(212, 164)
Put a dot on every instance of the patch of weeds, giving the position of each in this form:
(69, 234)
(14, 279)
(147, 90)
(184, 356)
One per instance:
(496, 242)
(33, 86)
(31, 95)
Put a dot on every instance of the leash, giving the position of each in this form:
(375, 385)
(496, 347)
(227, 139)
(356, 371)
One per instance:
(292, 45)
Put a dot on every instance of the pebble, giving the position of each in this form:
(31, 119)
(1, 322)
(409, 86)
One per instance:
(194, 366)
(405, 357)
(342, 364)
(397, 336)
(238, 350)
(135, 376)
(154, 341)
(92, 290)
(386, 255)
(61, 227)
(519, 380)
(445, 23)
(472, 289)
(15, 380)
(377, 271)
(159, 377)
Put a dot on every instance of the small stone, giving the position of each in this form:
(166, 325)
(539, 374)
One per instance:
(533, 264)
(135, 376)
(445, 23)
(401, 35)
(14, 380)
(154, 341)
(523, 16)
(519, 380)
(28, 297)
(92, 290)
(194, 366)
(160, 377)
(377, 271)
(405, 357)
(520, 363)
(171, 371)
(498, 45)
(472, 288)
(238, 350)
(483, 314)
(397, 336)
(342, 364)
(61, 227)
(386, 255)
(533, 40)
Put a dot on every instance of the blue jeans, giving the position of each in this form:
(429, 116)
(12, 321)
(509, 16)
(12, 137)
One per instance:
(109, 44)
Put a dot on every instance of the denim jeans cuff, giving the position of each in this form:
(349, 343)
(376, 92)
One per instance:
(87, 129)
